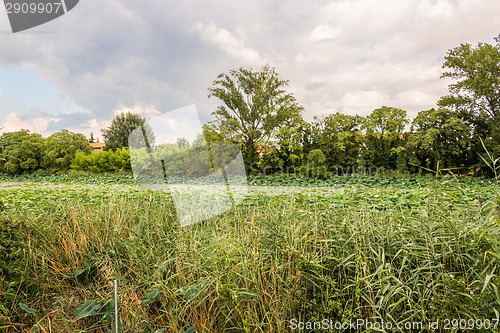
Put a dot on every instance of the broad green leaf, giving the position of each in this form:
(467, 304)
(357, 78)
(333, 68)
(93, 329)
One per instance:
(10, 294)
(78, 272)
(151, 296)
(27, 309)
(88, 308)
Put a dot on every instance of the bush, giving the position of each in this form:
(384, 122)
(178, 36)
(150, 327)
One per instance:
(60, 149)
(103, 161)
(20, 151)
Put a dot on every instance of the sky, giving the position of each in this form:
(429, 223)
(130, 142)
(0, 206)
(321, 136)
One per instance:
(150, 57)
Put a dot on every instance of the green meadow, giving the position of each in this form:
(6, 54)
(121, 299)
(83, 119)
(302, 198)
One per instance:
(404, 250)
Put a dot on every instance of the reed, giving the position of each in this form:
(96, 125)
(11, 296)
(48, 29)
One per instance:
(256, 267)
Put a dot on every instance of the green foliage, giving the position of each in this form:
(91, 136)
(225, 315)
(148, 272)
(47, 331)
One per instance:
(20, 151)
(477, 71)
(382, 145)
(288, 152)
(23, 151)
(122, 125)
(339, 136)
(316, 158)
(151, 296)
(439, 136)
(60, 148)
(475, 95)
(27, 309)
(386, 120)
(316, 166)
(269, 160)
(180, 160)
(255, 107)
(88, 308)
(103, 161)
(398, 249)
(11, 246)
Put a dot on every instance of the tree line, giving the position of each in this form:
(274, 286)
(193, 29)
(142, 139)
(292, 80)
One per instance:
(266, 121)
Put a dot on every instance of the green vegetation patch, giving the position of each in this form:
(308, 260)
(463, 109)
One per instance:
(417, 250)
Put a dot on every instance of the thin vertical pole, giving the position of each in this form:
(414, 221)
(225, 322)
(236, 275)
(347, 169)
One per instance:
(116, 307)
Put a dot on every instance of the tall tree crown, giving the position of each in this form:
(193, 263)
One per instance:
(255, 105)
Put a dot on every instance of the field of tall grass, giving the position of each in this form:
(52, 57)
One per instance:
(420, 251)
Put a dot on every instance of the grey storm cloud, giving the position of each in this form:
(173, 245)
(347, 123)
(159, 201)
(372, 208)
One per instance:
(346, 55)
(57, 121)
(65, 121)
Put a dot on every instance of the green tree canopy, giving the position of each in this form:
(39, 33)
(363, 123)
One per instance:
(255, 107)
(20, 151)
(386, 120)
(477, 74)
(475, 94)
(384, 144)
(117, 134)
(340, 123)
(60, 148)
(338, 135)
(440, 136)
(288, 147)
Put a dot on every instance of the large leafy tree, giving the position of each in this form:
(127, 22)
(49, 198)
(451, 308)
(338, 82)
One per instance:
(337, 136)
(117, 134)
(341, 139)
(60, 148)
(20, 151)
(386, 120)
(384, 141)
(255, 106)
(475, 93)
(439, 137)
(476, 71)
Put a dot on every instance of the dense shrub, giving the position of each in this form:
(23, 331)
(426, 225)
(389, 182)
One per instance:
(60, 148)
(20, 151)
(25, 152)
(103, 161)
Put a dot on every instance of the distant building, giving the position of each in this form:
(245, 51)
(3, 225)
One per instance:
(98, 146)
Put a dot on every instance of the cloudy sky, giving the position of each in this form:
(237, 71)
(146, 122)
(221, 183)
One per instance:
(154, 56)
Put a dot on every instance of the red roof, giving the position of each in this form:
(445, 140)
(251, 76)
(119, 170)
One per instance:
(97, 145)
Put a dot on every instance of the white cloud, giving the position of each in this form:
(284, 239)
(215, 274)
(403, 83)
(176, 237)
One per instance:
(180, 123)
(12, 123)
(231, 44)
(92, 126)
(343, 55)
(362, 102)
(436, 9)
(325, 31)
(146, 112)
(393, 49)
